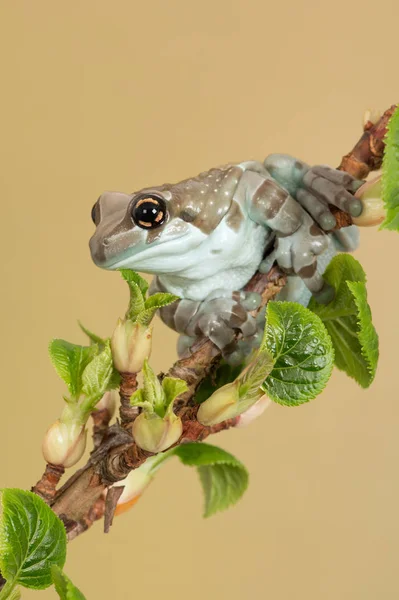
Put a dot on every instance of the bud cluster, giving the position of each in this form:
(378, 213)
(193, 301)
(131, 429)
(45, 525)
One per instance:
(157, 427)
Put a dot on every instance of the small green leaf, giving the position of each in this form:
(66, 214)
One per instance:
(138, 288)
(70, 360)
(32, 539)
(133, 277)
(224, 479)
(99, 376)
(173, 388)
(152, 304)
(64, 586)
(153, 392)
(390, 174)
(94, 339)
(254, 376)
(348, 320)
(302, 351)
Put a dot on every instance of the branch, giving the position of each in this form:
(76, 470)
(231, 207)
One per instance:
(81, 500)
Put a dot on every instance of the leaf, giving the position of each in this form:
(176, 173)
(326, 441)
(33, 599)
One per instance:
(172, 388)
(348, 320)
(70, 360)
(133, 277)
(99, 375)
(64, 586)
(32, 539)
(152, 304)
(138, 288)
(94, 339)
(152, 392)
(302, 350)
(254, 376)
(390, 174)
(224, 479)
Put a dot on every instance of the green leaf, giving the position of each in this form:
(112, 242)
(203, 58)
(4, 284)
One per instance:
(224, 479)
(138, 288)
(94, 339)
(99, 376)
(348, 320)
(133, 277)
(172, 388)
(153, 392)
(152, 304)
(302, 350)
(254, 376)
(32, 539)
(64, 586)
(70, 360)
(390, 174)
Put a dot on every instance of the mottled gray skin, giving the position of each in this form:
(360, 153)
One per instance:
(218, 230)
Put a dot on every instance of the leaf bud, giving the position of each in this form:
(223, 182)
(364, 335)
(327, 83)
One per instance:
(255, 411)
(108, 402)
(373, 212)
(154, 433)
(64, 443)
(130, 345)
(135, 484)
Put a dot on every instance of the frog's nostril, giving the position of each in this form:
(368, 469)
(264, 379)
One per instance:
(106, 242)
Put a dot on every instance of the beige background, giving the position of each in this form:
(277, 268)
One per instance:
(117, 95)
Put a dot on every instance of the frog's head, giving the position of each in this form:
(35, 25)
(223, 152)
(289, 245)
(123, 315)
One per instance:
(153, 231)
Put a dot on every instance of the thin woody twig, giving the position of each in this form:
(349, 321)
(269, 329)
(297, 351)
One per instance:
(47, 485)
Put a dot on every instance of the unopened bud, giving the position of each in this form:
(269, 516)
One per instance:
(130, 345)
(222, 405)
(254, 411)
(373, 212)
(154, 433)
(135, 484)
(64, 444)
(108, 402)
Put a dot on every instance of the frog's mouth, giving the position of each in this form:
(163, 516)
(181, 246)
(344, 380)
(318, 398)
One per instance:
(162, 256)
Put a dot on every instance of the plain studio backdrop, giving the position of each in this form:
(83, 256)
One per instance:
(100, 95)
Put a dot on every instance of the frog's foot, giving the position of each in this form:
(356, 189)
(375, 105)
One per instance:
(315, 188)
(221, 318)
(184, 343)
(322, 186)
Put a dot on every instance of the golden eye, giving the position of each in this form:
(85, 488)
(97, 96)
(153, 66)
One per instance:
(149, 212)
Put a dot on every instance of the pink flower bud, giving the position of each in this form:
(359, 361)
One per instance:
(255, 411)
(64, 444)
(135, 484)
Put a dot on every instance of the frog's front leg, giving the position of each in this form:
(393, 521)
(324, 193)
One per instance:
(219, 317)
(316, 187)
(299, 241)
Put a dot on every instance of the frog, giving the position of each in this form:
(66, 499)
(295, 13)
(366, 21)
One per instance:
(204, 237)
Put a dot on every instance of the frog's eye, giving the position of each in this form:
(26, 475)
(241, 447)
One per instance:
(149, 212)
(94, 213)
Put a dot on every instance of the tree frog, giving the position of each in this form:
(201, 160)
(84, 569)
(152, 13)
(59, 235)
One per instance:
(206, 236)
